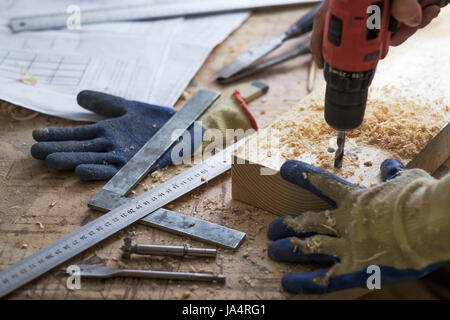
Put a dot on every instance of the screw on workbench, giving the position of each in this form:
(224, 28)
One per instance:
(161, 250)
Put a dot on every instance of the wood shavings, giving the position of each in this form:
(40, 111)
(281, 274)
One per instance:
(206, 271)
(41, 226)
(186, 295)
(368, 163)
(24, 246)
(51, 205)
(394, 123)
(388, 126)
(156, 176)
(185, 95)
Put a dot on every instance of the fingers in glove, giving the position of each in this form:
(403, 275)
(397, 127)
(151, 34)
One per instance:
(390, 168)
(317, 248)
(95, 171)
(41, 150)
(71, 160)
(304, 225)
(66, 134)
(102, 103)
(324, 184)
(279, 230)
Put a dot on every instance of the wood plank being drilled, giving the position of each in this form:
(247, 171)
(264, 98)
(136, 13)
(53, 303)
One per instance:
(407, 118)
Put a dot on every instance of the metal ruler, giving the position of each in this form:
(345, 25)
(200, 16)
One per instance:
(151, 11)
(101, 228)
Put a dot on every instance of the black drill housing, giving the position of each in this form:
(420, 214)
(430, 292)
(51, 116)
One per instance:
(346, 97)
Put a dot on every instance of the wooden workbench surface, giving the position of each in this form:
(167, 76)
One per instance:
(38, 206)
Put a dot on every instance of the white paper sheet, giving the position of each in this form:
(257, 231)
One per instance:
(147, 61)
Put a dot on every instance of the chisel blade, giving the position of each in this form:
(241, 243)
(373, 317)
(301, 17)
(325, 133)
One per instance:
(248, 58)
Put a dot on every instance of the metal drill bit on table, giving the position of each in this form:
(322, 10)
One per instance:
(161, 250)
(339, 155)
(90, 271)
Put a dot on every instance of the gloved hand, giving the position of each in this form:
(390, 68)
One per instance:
(402, 226)
(97, 151)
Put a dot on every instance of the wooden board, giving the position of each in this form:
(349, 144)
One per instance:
(407, 118)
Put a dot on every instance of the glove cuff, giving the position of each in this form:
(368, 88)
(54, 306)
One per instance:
(421, 221)
(246, 109)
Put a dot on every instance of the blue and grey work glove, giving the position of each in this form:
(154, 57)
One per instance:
(401, 226)
(97, 151)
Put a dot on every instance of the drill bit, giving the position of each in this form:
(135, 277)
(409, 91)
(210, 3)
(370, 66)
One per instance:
(339, 155)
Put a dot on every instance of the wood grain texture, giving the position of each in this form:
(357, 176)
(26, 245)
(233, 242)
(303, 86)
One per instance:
(407, 118)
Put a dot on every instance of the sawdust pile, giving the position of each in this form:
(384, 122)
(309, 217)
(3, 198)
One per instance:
(299, 136)
(402, 128)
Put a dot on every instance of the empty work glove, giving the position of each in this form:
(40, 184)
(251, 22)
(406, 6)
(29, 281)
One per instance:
(400, 226)
(97, 151)
(230, 119)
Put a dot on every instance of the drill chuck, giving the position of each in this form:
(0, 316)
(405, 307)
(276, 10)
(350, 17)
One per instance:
(346, 97)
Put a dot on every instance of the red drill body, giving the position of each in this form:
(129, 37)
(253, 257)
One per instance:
(348, 43)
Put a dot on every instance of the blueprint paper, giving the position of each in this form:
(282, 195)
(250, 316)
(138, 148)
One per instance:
(149, 61)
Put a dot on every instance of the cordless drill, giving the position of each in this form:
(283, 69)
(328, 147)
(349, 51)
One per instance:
(357, 35)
